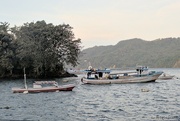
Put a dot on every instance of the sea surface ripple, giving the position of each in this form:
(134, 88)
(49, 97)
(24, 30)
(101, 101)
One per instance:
(115, 102)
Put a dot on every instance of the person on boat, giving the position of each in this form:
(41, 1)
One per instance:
(100, 74)
(106, 75)
(96, 77)
(90, 67)
(140, 71)
(88, 75)
(89, 72)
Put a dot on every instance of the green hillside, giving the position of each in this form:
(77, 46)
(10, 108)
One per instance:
(160, 53)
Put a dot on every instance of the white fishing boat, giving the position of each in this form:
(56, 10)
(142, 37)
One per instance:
(165, 76)
(105, 77)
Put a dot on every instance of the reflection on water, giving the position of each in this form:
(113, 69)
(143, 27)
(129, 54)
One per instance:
(116, 102)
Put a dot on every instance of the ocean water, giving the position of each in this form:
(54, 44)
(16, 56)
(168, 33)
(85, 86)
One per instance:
(114, 102)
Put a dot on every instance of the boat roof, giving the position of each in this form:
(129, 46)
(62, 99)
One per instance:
(103, 71)
(142, 67)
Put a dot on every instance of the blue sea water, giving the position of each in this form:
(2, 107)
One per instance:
(114, 102)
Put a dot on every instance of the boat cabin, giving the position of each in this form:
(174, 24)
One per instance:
(142, 70)
(41, 84)
(97, 74)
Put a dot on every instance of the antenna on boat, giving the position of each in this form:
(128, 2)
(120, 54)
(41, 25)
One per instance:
(25, 84)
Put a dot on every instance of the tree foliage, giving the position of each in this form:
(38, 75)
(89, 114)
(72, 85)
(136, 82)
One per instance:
(7, 50)
(43, 49)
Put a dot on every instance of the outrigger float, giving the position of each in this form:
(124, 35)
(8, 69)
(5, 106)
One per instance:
(106, 77)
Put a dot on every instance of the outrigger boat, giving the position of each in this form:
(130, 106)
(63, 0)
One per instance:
(43, 86)
(105, 77)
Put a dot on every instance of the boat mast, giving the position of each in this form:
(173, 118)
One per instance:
(25, 84)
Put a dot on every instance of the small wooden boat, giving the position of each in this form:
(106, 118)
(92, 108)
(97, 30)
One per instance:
(119, 78)
(166, 77)
(44, 86)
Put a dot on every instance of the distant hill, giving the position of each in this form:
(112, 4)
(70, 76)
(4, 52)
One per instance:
(160, 53)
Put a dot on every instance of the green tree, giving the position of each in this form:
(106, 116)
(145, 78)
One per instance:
(45, 48)
(7, 50)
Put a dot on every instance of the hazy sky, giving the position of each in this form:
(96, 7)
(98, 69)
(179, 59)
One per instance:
(100, 22)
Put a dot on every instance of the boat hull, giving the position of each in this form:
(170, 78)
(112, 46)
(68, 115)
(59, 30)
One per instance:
(143, 79)
(165, 77)
(45, 89)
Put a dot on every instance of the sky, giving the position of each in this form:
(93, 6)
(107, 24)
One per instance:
(100, 22)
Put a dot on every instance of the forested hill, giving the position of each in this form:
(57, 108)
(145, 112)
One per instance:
(160, 53)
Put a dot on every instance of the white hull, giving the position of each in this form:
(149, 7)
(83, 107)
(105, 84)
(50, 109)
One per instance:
(143, 79)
